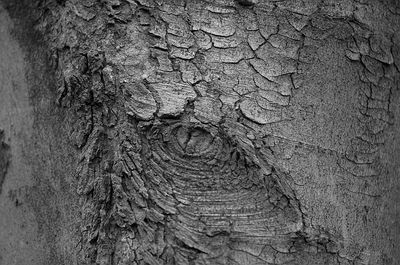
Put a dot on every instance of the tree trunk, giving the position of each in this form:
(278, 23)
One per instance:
(199, 132)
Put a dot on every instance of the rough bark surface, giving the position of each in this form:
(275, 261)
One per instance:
(226, 132)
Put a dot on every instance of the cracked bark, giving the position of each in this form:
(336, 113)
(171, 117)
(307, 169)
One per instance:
(225, 132)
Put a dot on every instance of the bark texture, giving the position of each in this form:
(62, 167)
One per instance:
(226, 132)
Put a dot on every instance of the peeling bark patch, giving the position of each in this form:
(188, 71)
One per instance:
(173, 97)
(5, 157)
(140, 102)
(251, 110)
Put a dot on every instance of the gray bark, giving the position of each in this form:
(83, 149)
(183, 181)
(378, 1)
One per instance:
(199, 132)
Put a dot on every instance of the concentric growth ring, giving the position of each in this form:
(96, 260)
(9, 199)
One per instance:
(203, 177)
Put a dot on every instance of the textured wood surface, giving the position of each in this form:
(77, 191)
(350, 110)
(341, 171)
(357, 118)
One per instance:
(229, 132)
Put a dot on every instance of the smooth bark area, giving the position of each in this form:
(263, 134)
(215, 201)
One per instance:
(199, 132)
(37, 213)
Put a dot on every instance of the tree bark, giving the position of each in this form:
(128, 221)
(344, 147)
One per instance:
(199, 132)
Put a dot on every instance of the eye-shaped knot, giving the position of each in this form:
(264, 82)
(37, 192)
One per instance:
(194, 143)
(194, 140)
(201, 155)
(204, 176)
